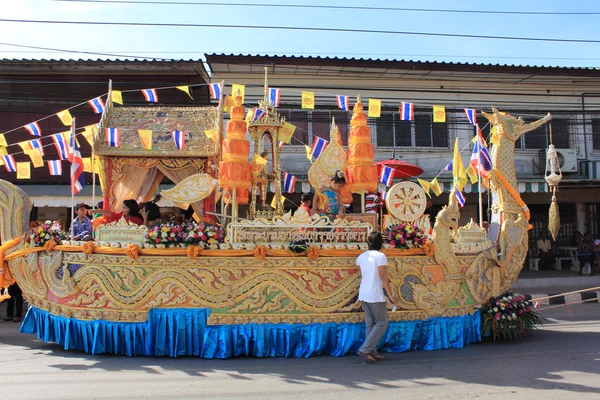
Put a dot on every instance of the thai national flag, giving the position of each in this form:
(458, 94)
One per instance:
(34, 129)
(343, 102)
(281, 143)
(275, 96)
(77, 177)
(9, 163)
(258, 114)
(179, 139)
(384, 195)
(459, 197)
(448, 167)
(407, 111)
(387, 176)
(37, 144)
(480, 158)
(471, 115)
(289, 182)
(113, 137)
(150, 95)
(318, 146)
(55, 167)
(61, 146)
(97, 105)
(215, 91)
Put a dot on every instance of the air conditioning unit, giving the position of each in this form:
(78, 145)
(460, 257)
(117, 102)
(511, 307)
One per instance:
(567, 159)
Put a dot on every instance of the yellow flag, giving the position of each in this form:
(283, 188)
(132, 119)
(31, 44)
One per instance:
(425, 185)
(89, 133)
(308, 155)
(65, 117)
(145, 138)
(3, 140)
(439, 114)
(36, 158)
(259, 160)
(25, 146)
(3, 152)
(235, 88)
(374, 108)
(185, 89)
(23, 170)
(435, 187)
(472, 174)
(228, 103)
(287, 132)
(211, 134)
(67, 136)
(308, 100)
(462, 182)
(458, 169)
(249, 116)
(116, 97)
(87, 164)
(273, 204)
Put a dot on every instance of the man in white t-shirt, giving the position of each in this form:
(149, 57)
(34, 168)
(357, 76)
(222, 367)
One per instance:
(373, 280)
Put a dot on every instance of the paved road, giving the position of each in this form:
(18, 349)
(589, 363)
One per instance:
(562, 361)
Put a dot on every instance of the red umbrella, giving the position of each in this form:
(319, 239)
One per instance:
(402, 169)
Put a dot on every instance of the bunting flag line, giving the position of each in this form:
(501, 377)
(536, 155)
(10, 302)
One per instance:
(150, 95)
(287, 132)
(275, 96)
(384, 195)
(97, 105)
(425, 185)
(55, 167)
(65, 117)
(308, 151)
(145, 138)
(89, 133)
(25, 146)
(374, 108)
(308, 100)
(23, 170)
(3, 152)
(36, 158)
(77, 176)
(33, 129)
(439, 113)
(407, 111)
(459, 197)
(61, 146)
(87, 164)
(179, 139)
(343, 102)
(258, 114)
(235, 88)
(387, 176)
(289, 182)
(116, 97)
(9, 163)
(215, 90)
(37, 144)
(435, 187)
(448, 167)
(274, 204)
(318, 146)
(471, 115)
(113, 137)
(186, 90)
(3, 140)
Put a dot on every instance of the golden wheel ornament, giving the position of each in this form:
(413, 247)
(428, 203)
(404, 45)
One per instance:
(406, 201)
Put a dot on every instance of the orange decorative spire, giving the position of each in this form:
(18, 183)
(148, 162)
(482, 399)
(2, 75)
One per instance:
(235, 171)
(361, 173)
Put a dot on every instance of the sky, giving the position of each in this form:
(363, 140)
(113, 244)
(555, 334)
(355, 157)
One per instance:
(194, 42)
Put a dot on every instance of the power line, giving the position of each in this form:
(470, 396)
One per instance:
(330, 7)
(300, 28)
(77, 51)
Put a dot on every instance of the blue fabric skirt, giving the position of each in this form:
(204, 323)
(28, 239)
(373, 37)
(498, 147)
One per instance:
(184, 332)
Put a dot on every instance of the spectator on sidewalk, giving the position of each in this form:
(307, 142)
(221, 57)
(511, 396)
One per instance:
(544, 246)
(585, 252)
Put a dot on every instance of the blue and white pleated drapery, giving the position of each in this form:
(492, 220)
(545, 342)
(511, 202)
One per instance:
(184, 332)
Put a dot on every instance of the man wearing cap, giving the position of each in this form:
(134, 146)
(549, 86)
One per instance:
(81, 227)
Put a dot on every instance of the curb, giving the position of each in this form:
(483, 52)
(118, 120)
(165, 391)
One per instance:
(588, 297)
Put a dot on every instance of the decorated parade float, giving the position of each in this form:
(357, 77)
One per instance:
(270, 282)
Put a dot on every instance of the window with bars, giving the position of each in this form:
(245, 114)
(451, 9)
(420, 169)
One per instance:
(421, 132)
(596, 134)
(316, 123)
(540, 137)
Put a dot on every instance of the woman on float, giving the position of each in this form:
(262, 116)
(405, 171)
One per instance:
(130, 211)
(332, 198)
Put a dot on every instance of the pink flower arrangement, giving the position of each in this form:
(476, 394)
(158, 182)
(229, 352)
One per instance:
(173, 235)
(49, 230)
(405, 236)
